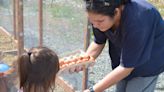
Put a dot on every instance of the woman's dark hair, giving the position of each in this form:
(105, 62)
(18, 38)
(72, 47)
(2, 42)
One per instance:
(104, 7)
(37, 70)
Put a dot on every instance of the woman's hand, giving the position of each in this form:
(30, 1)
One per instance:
(112, 78)
(93, 50)
(87, 90)
(1, 74)
(82, 67)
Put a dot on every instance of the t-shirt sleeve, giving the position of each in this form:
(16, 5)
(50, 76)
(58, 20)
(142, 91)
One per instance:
(138, 40)
(99, 37)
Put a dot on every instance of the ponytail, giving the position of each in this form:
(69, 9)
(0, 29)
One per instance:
(24, 64)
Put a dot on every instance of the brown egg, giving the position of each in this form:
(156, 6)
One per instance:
(80, 58)
(91, 59)
(78, 61)
(1, 74)
(74, 60)
(63, 66)
(71, 63)
(10, 71)
(61, 63)
(66, 61)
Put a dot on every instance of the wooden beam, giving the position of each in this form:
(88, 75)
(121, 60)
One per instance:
(40, 19)
(14, 19)
(19, 26)
(63, 84)
(85, 69)
(11, 52)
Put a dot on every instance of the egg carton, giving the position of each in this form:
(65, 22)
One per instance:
(75, 59)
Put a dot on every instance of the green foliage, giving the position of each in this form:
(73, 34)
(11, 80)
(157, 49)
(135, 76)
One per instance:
(69, 12)
(62, 11)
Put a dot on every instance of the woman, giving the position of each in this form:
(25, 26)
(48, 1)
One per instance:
(135, 32)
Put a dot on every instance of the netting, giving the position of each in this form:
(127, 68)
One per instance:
(64, 22)
(63, 25)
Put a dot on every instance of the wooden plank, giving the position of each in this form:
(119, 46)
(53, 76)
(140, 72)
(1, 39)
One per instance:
(19, 24)
(12, 52)
(67, 88)
(85, 69)
(14, 18)
(5, 32)
(40, 2)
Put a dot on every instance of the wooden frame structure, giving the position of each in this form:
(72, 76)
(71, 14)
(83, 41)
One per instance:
(19, 36)
(18, 24)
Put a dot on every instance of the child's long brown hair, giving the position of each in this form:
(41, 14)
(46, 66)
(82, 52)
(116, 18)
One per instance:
(37, 70)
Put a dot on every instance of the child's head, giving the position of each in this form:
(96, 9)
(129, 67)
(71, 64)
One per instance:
(37, 69)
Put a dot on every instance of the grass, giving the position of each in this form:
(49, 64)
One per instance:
(70, 12)
(61, 11)
(66, 11)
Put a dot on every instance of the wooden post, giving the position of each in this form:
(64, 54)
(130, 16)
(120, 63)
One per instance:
(19, 26)
(40, 19)
(52, 2)
(63, 84)
(14, 19)
(86, 44)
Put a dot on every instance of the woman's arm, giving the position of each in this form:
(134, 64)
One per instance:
(95, 49)
(112, 78)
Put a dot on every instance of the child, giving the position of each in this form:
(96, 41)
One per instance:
(37, 70)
